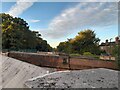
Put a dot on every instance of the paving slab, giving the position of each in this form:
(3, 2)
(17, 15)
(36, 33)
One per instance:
(91, 78)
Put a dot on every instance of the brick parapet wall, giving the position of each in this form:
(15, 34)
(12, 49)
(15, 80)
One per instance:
(55, 61)
(81, 63)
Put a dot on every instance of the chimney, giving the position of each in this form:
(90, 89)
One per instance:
(117, 40)
(106, 42)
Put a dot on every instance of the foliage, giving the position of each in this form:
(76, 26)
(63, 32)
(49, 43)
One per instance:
(87, 54)
(75, 54)
(64, 47)
(85, 41)
(90, 55)
(115, 50)
(116, 53)
(0, 35)
(16, 35)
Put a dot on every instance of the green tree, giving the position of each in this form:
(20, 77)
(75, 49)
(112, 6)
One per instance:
(42, 45)
(65, 47)
(16, 35)
(116, 54)
(85, 41)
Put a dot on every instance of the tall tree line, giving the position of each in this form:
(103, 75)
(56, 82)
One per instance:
(16, 35)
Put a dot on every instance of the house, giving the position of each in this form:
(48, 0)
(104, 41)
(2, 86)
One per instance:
(108, 46)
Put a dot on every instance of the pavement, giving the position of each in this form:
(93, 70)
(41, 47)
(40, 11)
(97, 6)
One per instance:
(91, 78)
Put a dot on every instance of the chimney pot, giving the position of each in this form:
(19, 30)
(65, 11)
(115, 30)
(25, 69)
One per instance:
(116, 40)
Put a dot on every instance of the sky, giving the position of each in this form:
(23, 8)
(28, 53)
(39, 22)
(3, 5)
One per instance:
(59, 21)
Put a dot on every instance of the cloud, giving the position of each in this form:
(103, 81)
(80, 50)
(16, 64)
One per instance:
(34, 21)
(20, 7)
(97, 14)
(100, 0)
(54, 44)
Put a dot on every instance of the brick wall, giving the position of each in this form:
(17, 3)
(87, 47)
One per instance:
(57, 61)
(40, 60)
(77, 63)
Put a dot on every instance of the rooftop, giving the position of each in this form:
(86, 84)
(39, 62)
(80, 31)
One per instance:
(108, 44)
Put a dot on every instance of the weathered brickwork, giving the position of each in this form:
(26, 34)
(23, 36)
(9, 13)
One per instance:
(59, 61)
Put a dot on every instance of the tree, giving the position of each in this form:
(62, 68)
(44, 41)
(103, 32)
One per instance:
(85, 41)
(0, 38)
(116, 54)
(16, 34)
(64, 47)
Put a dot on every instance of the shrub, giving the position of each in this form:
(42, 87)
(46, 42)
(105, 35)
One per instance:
(74, 54)
(88, 54)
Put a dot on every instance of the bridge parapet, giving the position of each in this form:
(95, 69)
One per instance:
(63, 61)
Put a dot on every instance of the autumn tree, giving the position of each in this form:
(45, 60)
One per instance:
(85, 41)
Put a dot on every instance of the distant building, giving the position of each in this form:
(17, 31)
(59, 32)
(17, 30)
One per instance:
(108, 46)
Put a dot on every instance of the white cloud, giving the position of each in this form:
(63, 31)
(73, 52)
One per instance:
(34, 21)
(20, 7)
(54, 44)
(100, 0)
(63, 0)
(99, 14)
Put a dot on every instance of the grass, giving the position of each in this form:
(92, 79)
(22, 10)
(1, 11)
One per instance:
(85, 54)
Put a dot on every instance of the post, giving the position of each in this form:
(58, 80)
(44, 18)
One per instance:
(110, 48)
(69, 61)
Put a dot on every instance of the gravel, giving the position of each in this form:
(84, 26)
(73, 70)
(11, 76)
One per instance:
(91, 78)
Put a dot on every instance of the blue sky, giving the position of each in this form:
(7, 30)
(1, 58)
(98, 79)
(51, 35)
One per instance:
(57, 21)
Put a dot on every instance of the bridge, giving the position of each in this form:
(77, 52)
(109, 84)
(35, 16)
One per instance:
(19, 74)
(63, 61)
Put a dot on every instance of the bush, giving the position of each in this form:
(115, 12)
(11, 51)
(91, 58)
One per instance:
(74, 54)
(116, 54)
(88, 54)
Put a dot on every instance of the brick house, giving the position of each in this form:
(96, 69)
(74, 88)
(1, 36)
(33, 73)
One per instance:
(109, 46)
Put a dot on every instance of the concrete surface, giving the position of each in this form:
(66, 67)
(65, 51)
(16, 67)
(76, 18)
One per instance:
(0, 72)
(15, 72)
(18, 74)
(91, 78)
